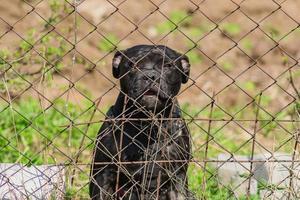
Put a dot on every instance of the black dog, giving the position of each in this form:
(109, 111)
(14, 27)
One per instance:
(143, 148)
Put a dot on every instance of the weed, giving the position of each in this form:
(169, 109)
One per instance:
(33, 135)
(194, 57)
(247, 45)
(57, 9)
(273, 31)
(213, 190)
(232, 29)
(285, 59)
(176, 17)
(51, 47)
(109, 43)
(26, 128)
(197, 31)
(4, 55)
(26, 44)
(227, 65)
(249, 86)
(265, 100)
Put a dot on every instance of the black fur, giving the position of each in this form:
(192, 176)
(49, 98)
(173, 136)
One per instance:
(138, 131)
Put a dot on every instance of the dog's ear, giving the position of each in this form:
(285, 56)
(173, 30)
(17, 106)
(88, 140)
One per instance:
(185, 64)
(116, 64)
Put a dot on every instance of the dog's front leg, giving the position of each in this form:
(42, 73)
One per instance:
(174, 195)
(178, 192)
(103, 185)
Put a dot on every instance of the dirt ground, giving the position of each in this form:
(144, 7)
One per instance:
(134, 23)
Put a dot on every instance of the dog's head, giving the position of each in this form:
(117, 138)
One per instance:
(151, 75)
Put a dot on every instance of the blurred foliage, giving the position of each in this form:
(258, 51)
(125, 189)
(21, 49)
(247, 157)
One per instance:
(176, 18)
(109, 43)
(249, 86)
(26, 128)
(247, 45)
(227, 65)
(194, 56)
(233, 29)
(273, 31)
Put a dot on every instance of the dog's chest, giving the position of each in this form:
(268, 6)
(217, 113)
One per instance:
(142, 133)
(145, 140)
(149, 158)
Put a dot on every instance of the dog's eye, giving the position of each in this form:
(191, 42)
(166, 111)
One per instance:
(131, 65)
(168, 65)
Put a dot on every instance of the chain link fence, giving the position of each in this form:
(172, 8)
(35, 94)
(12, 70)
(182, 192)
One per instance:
(241, 103)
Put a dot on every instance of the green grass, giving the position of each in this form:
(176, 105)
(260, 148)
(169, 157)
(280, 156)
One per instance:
(207, 186)
(212, 190)
(176, 18)
(247, 45)
(27, 129)
(33, 136)
(273, 32)
(227, 65)
(232, 29)
(109, 43)
(51, 46)
(194, 57)
(249, 86)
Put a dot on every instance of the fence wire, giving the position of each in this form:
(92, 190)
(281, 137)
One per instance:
(240, 105)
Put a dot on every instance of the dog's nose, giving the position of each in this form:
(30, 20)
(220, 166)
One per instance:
(152, 78)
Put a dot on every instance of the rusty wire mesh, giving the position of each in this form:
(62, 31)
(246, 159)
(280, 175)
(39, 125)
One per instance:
(241, 101)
